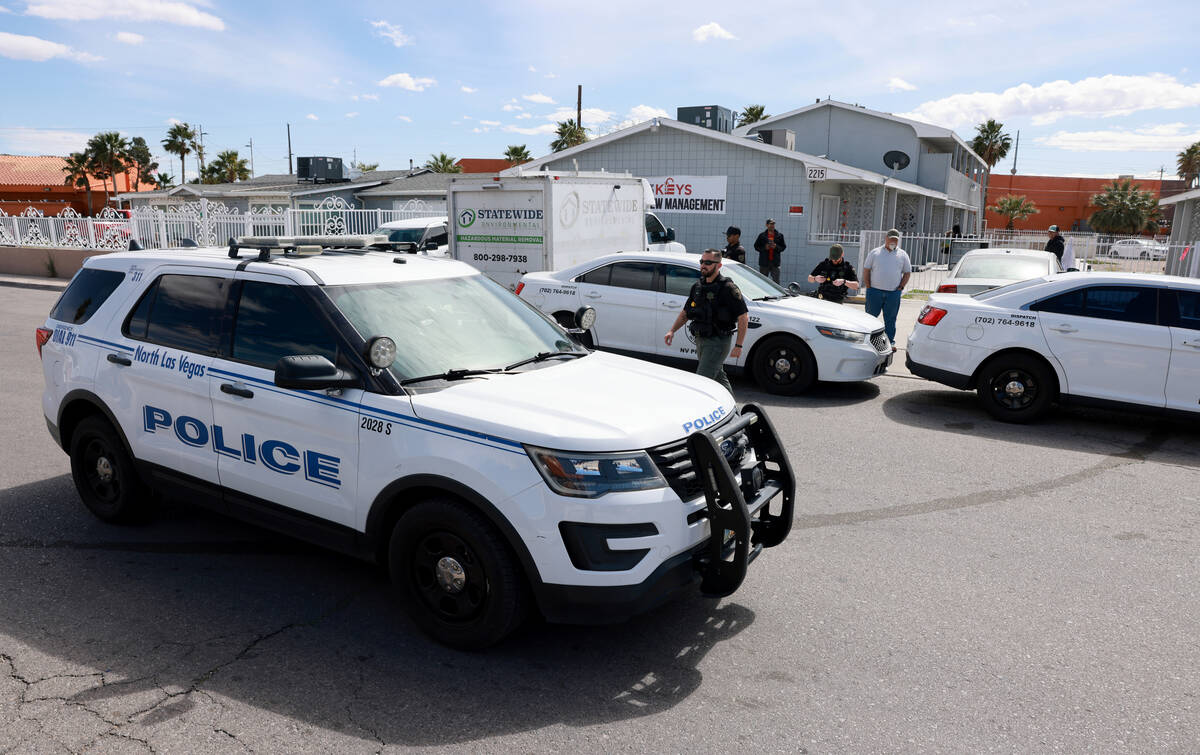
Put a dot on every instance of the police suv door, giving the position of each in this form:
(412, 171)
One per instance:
(625, 301)
(677, 283)
(160, 392)
(292, 448)
(1182, 307)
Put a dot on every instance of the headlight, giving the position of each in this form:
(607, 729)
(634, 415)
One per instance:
(843, 335)
(585, 475)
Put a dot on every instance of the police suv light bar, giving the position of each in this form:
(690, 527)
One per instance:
(304, 246)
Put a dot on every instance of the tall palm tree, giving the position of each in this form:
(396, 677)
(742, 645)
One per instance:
(228, 167)
(991, 143)
(568, 134)
(164, 180)
(1124, 208)
(752, 114)
(517, 154)
(1189, 164)
(110, 151)
(1014, 207)
(442, 163)
(179, 142)
(76, 167)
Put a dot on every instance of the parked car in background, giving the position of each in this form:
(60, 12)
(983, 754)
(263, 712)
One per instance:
(982, 269)
(419, 232)
(1138, 249)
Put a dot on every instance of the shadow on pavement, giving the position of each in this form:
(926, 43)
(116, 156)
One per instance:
(820, 395)
(138, 619)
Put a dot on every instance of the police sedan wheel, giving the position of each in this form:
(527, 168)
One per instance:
(784, 365)
(1016, 388)
(103, 473)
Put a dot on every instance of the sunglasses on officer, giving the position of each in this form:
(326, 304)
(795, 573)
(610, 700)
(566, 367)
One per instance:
(708, 262)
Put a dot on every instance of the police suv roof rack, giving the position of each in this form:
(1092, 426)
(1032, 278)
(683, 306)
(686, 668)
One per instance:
(303, 246)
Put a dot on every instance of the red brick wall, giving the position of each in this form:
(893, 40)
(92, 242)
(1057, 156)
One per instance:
(1061, 200)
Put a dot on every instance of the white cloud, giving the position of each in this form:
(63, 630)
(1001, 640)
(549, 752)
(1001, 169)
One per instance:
(4, 10)
(394, 33)
(174, 121)
(365, 97)
(545, 128)
(466, 117)
(509, 108)
(490, 123)
(711, 30)
(523, 116)
(532, 69)
(352, 115)
(129, 38)
(897, 84)
(469, 90)
(165, 11)
(406, 81)
(36, 141)
(592, 116)
(552, 76)
(21, 47)
(404, 118)
(1095, 97)
(538, 97)
(312, 117)
(639, 114)
(1172, 137)
(478, 130)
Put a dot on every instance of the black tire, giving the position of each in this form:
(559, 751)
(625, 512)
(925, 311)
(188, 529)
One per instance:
(783, 365)
(455, 574)
(104, 474)
(1016, 388)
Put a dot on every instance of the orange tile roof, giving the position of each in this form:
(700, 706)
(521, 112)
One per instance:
(483, 164)
(44, 170)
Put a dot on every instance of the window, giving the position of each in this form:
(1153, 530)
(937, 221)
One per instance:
(1121, 303)
(638, 275)
(440, 236)
(181, 312)
(86, 293)
(274, 321)
(655, 231)
(678, 280)
(1070, 303)
(599, 276)
(1188, 312)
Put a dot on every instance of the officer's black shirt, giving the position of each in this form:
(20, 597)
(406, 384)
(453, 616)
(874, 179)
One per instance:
(734, 252)
(713, 308)
(832, 271)
(1057, 245)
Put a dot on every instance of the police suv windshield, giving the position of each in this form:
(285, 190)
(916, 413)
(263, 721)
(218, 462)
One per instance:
(465, 323)
(753, 284)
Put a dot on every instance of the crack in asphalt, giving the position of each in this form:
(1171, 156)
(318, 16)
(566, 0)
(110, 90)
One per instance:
(1135, 454)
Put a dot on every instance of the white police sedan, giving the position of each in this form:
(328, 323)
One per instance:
(792, 342)
(1110, 339)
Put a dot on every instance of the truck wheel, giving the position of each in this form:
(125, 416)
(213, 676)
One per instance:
(784, 365)
(1016, 388)
(104, 473)
(456, 575)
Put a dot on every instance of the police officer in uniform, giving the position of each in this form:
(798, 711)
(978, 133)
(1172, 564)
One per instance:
(733, 247)
(714, 308)
(835, 275)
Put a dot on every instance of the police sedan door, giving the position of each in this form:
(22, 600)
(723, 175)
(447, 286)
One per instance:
(623, 295)
(677, 283)
(1109, 343)
(292, 448)
(1182, 310)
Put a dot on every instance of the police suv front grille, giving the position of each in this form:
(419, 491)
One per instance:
(674, 461)
(880, 342)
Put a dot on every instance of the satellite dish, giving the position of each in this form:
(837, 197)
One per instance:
(895, 159)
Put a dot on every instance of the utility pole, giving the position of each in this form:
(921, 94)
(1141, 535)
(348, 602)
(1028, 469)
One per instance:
(200, 134)
(1160, 175)
(289, 126)
(1016, 151)
(251, 146)
(579, 107)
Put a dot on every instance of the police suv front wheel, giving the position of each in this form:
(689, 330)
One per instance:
(783, 365)
(455, 574)
(104, 474)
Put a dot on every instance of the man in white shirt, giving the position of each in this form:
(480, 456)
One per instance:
(885, 273)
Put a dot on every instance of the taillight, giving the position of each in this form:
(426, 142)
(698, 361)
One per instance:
(519, 287)
(43, 336)
(948, 288)
(931, 315)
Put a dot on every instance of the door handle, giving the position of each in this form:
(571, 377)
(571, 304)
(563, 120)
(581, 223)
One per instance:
(592, 295)
(1193, 344)
(671, 305)
(118, 359)
(1064, 328)
(233, 390)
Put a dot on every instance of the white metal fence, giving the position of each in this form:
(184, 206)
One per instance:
(205, 223)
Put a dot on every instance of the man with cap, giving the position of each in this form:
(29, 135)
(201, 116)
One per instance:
(1056, 244)
(835, 276)
(714, 311)
(733, 248)
(770, 246)
(886, 271)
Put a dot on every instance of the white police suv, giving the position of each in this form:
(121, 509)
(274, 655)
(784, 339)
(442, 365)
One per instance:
(1107, 339)
(792, 341)
(411, 411)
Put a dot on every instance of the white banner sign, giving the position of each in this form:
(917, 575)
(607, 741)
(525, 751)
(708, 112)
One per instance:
(690, 194)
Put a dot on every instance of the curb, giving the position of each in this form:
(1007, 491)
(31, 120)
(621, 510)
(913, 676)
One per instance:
(33, 284)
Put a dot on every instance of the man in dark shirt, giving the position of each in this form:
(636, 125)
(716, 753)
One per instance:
(770, 246)
(713, 309)
(1056, 244)
(835, 275)
(733, 247)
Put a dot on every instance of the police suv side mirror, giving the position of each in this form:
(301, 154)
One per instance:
(311, 372)
(794, 289)
(430, 246)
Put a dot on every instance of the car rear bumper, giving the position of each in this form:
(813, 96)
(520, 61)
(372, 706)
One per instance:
(945, 377)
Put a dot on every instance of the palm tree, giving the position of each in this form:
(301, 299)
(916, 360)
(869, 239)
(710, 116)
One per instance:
(365, 167)
(991, 143)
(517, 154)
(76, 167)
(164, 180)
(1189, 164)
(442, 163)
(568, 134)
(198, 146)
(179, 142)
(1124, 208)
(228, 167)
(752, 114)
(110, 151)
(1014, 207)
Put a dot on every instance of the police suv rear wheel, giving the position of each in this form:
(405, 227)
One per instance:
(456, 575)
(783, 365)
(104, 473)
(1016, 388)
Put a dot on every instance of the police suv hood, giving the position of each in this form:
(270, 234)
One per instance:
(820, 312)
(601, 402)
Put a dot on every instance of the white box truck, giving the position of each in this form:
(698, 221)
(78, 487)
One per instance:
(507, 226)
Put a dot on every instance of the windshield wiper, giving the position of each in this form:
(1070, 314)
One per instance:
(449, 375)
(768, 298)
(542, 356)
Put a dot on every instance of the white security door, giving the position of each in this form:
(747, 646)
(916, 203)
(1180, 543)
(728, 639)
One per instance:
(829, 213)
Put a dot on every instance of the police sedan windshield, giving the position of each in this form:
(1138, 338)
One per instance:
(753, 284)
(450, 325)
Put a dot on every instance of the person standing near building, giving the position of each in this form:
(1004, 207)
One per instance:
(1056, 244)
(733, 245)
(770, 246)
(886, 271)
(714, 308)
(835, 275)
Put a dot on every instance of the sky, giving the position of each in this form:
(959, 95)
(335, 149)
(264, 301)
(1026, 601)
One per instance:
(1095, 88)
